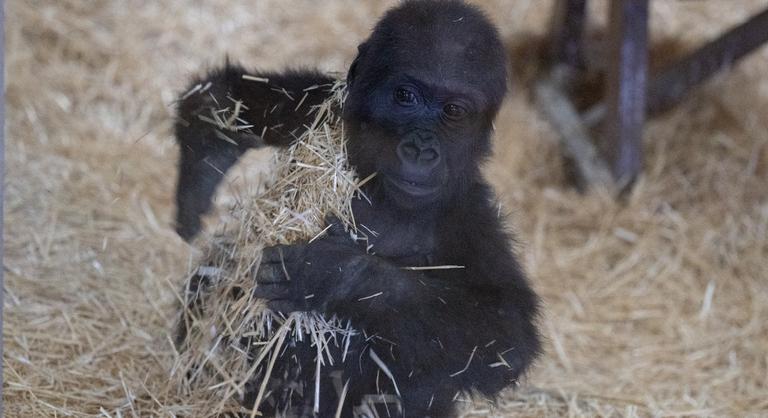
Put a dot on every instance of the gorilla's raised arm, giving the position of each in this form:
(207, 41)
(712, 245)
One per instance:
(227, 112)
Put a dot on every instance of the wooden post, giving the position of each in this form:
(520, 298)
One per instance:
(626, 88)
(568, 21)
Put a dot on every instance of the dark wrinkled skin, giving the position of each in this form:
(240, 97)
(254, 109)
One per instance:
(423, 93)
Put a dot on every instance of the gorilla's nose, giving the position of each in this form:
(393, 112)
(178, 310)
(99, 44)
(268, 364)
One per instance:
(420, 148)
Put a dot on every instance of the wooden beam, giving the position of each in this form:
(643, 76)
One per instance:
(675, 81)
(574, 137)
(626, 88)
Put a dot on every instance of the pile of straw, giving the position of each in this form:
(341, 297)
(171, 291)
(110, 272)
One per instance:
(653, 306)
(230, 343)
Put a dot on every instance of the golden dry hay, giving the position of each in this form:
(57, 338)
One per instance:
(312, 180)
(655, 306)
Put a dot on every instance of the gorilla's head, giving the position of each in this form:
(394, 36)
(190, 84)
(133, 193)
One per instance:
(423, 93)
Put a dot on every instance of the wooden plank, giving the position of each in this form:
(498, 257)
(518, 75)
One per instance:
(574, 137)
(626, 88)
(674, 82)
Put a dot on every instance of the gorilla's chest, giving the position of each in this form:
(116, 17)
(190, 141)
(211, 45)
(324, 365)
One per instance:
(406, 246)
(406, 242)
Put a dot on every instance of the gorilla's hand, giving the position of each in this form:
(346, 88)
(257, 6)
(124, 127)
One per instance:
(307, 276)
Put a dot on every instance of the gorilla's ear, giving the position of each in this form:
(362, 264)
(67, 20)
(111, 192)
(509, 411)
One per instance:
(352, 73)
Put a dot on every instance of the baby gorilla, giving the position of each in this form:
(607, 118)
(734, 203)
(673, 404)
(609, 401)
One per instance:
(423, 93)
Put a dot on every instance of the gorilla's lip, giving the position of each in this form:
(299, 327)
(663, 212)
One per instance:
(412, 187)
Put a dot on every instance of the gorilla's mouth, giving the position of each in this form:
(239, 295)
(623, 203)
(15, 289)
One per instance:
(411, 187)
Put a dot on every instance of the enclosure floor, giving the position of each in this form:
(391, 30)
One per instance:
(655, 305)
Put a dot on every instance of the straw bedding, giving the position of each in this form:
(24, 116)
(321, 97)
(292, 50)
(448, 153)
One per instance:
(653, 306)
(230, 345)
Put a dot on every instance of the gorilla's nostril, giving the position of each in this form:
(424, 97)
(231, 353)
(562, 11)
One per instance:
(428, 155)
(410, 150)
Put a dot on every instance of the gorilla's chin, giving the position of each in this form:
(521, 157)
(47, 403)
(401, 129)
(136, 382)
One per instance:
(409, 195)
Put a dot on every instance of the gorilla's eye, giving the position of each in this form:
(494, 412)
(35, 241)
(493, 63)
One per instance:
(454, 111)
(405, 97)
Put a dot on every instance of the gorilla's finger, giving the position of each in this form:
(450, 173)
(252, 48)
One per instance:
(282, 254)
(335, 226)
(270, 291)
(270, 272)
(285, 306)
(274, 255)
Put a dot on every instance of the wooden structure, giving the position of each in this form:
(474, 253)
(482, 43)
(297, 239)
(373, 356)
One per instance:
(629, 92)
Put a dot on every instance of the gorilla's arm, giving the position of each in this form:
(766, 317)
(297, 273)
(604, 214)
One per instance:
(227, 112)
(436, 318)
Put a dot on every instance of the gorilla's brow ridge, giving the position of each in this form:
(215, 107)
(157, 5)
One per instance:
(446, 88)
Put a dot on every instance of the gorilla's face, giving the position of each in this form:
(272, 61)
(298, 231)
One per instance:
(421, 105)
(417, 136)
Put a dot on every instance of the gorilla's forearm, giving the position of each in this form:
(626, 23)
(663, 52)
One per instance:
(272, 106)
(419, 312)
(198, 179)
(373, 291)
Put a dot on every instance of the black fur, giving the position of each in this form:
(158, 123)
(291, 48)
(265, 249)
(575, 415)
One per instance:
(423, 93)
(270, 106)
